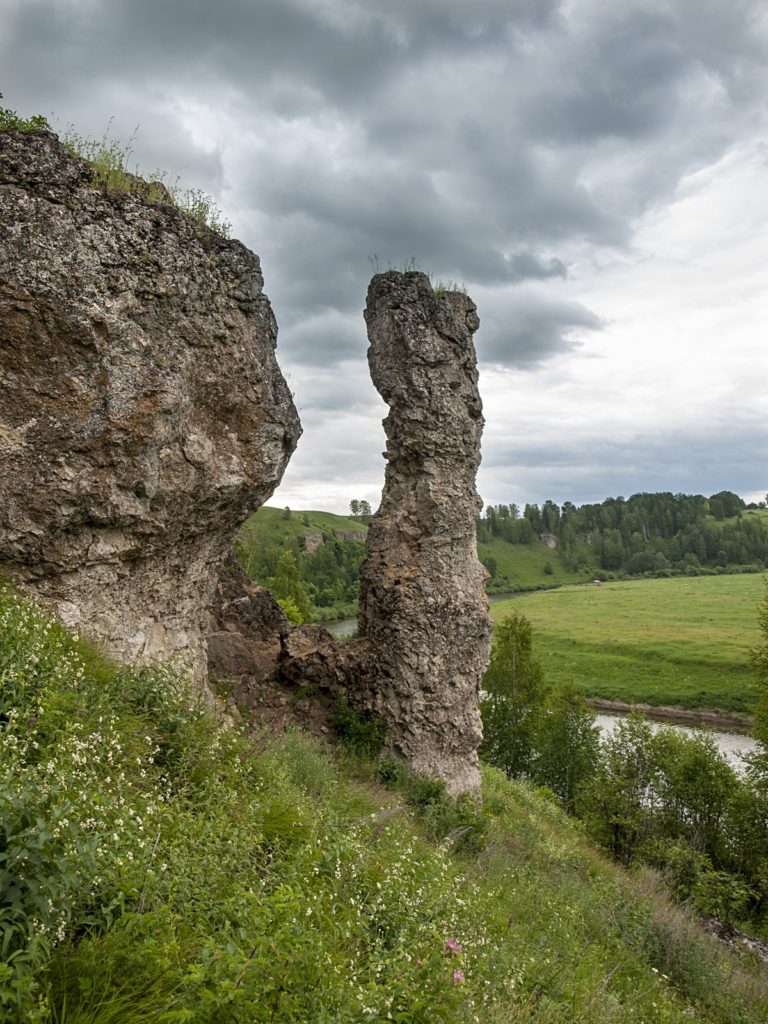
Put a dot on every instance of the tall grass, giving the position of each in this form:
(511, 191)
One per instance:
(111, 160)
(155, 866)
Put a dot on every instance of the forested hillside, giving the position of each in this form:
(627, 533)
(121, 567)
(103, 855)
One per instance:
(311, 560)
(655, 534)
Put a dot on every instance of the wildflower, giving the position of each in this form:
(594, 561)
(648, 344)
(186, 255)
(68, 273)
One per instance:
(458, 977)
(453, 947)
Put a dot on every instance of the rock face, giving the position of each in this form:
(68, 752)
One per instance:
(246, 627)
(423, 610)
(143, 415)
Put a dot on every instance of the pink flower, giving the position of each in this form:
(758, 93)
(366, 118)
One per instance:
(458, 977)
(453, 947)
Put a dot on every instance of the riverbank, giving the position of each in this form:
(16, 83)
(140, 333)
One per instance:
(715, 718)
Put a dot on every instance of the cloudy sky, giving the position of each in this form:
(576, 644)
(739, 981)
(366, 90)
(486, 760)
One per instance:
(594, 171)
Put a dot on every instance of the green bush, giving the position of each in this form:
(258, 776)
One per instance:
(364, 735)
(11, 122)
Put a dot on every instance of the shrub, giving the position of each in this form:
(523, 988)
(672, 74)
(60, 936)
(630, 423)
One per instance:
(364, 735)
(11, 122)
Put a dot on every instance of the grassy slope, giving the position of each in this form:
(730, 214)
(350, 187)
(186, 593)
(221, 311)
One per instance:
(523, 564)
(664, 641)
(274, 523)
(200, 876)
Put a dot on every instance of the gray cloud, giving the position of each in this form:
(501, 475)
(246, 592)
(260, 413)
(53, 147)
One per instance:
(530, 325)
(491, 141)
(563, 460)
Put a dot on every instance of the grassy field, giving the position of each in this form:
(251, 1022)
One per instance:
(275, 523)
(660, 641)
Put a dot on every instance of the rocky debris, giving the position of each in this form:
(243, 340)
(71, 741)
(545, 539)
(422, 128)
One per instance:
(424, 620)
(249, 638)
(246, 629)
(312, 655)
(143, 416)
(735, 939)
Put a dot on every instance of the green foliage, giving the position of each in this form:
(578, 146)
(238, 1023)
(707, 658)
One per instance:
(514, 694)
(289, 590)
(363, 735)
(11, 122)
(673, 801)
(529, 728)
(656, 797)
(659, 534)
(360, 507)
(329, 574)
(566, 744)
(204, 875)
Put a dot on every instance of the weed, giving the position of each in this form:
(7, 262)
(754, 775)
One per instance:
(364, 735)
(442, 287)
(11, 122)
(110, 161)
(380, 266)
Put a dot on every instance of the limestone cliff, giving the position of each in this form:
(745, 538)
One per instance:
(143, 415)
(423, 611)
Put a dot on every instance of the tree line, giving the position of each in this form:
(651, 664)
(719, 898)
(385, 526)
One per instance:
(646, 534)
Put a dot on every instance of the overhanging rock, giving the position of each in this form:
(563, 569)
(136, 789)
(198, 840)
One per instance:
(143, 416)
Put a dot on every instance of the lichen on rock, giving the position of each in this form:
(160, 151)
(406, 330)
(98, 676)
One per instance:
(143, 415)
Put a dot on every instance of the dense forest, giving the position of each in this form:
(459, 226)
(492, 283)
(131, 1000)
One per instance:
(654, 534)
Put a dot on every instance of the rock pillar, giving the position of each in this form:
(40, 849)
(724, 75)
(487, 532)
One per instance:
(424, 614)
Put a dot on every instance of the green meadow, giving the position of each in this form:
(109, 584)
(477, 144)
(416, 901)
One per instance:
(677, 641)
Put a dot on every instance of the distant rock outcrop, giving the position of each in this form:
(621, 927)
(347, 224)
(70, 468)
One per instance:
(424, 618)
(143, 415)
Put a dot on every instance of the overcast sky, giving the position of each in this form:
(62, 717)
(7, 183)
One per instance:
(594, 171)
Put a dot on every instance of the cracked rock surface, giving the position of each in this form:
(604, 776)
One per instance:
(424, 618)
(143, 416)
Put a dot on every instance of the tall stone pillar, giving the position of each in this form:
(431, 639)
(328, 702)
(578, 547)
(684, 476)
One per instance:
(424, 614)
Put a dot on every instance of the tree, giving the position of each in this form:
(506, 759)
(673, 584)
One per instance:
(515, 690)
(360, 507)
(725, 504)
(567, 743)
(289, 590)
